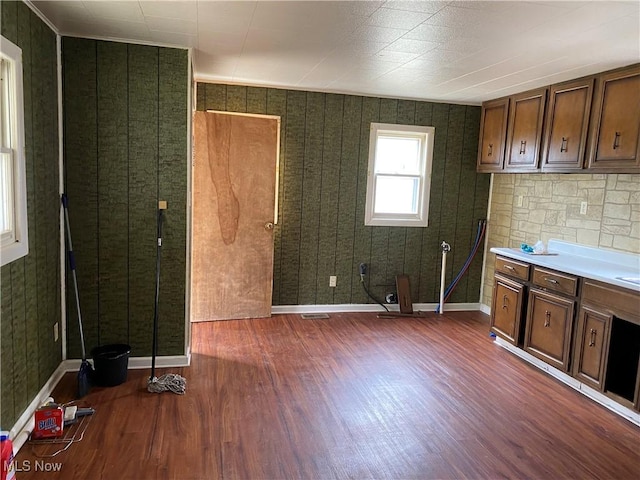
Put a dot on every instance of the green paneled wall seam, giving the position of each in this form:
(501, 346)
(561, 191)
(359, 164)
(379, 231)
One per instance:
(126, 105)
(309, 183)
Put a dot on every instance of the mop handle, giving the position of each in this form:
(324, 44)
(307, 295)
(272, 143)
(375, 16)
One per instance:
(154, 347)
(72, 265)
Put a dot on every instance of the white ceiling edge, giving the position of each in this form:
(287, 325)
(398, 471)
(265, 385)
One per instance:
(218, 81)
(101, 38)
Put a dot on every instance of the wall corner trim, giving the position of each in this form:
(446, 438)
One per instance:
(42, 16)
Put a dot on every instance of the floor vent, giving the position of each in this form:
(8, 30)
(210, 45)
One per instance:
(314, 316)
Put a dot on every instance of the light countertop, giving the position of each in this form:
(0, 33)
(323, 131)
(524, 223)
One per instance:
(587, 262)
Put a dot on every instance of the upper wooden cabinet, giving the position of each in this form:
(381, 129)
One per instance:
(615, 128)
(493, 128)
(590, 123)
(524, 131)
(567, 125)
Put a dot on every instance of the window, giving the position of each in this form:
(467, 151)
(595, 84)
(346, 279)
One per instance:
(399, 175)
(14, 242)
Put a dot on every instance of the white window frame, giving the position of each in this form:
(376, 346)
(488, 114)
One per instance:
(14, 244)
(421, 218)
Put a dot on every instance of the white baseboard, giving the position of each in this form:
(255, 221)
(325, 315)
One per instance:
(23, 427)
(136, 363)
(370, 307)
(596, 396)
(485, 309)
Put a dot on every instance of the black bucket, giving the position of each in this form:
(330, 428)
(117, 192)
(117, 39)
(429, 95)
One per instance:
(111, 363)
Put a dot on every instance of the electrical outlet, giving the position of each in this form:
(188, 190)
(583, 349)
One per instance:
(333, 281)
(583, 208)
(520, 200)
(55, 332)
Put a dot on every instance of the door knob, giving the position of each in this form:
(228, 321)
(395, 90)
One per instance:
(268, 226)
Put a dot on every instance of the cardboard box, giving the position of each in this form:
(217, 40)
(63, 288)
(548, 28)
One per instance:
(49, 422)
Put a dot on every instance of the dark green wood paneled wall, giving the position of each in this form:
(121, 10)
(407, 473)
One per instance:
(30, 286)
(125, 143)
(323, 171)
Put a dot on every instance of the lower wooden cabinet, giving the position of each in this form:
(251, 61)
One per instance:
(592, 339)
(548, 328)
(506, 315)
(534, 308)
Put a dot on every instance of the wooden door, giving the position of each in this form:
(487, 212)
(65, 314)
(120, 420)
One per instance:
(524, 132)
(615, 132)
(506, 310)
(548, 328)
(493, 130)
(592, 340)
(234, 185)
(567, 125)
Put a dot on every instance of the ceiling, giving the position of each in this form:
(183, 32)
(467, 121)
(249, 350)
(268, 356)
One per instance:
(454, 51)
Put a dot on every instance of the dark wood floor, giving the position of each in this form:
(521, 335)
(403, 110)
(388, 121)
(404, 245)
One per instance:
(349, 397)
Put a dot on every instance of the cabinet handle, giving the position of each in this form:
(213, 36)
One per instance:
(563, 146)
(592, 341)
(547, 320)
(523, 147)
(504, 301)
(551, 280)
(509, 267)
(616, 141)
(490, 151)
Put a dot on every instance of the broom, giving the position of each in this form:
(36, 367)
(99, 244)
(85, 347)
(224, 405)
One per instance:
(170, 381)
(85, 374)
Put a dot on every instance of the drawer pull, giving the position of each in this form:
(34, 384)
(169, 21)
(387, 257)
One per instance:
(504, 301)
(490, 151)
(616, 141)
(509, 267)
(547, 320)
(523, 147)
(563, 146)
(551, 280)
(592, 340)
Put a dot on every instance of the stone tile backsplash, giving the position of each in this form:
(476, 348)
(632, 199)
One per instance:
(531, 207)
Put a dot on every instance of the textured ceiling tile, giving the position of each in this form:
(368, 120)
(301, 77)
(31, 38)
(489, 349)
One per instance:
(462, 50)
(414, 6)
(182, 10)
(411, 46)
(163, 24)
(387, 17)
(130, 11)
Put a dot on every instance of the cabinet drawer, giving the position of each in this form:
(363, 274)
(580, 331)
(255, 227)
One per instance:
(555, 281)
(512, 268)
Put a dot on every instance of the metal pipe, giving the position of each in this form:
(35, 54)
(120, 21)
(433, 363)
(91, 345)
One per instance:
(445, 249)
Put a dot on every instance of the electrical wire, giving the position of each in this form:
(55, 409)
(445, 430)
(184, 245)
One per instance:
(369, 294)
(482, 226)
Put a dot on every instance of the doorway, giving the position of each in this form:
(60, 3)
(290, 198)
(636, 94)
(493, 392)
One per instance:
(234, 215)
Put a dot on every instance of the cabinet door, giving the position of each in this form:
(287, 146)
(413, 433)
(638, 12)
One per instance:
(615, 131)
(493, 130)
(591, 347)
(567, 123)
(524, 132)
(548, 328)
(506, 309)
